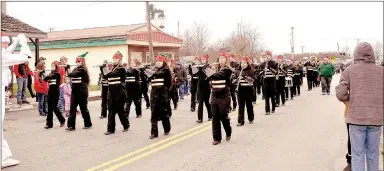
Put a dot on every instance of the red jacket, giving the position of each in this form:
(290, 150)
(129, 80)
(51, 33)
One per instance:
(20, 71)
(40, 85)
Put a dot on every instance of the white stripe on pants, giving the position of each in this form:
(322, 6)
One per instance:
(5, 151)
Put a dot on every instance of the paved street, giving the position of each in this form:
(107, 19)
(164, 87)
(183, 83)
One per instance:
(308, 134)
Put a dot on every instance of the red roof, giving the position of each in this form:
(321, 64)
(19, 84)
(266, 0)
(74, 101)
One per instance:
(157, 36)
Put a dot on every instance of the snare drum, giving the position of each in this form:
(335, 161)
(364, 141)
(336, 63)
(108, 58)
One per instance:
(288, 82)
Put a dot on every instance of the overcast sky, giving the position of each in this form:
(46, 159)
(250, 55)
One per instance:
(318, 25)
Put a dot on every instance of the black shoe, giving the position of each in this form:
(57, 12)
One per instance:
(70, 129)
(267, 113)
(328, 93)
(228, 138)
(277, 105)
(291, 98)
(125, 130)
(148, 107)
(175, 108)
(282, 105)
(262, 98)
(209, 119)
(240, 124)
(153, 136)
(87, 127)
(138, 116)
(25, 102)
(199, 121)
(48, 127)
(167, 133)
(192, 110)
(250, 122)
(102, 117)
(19, 102)
(216, 142)
(273, 111)
(62, 124)
(108, 133)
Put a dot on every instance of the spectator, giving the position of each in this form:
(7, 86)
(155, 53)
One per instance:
(29, 85)
(361, 86)
(326, 71)
(20, 71)
(181, 75)
(41, 88)
(63, 70)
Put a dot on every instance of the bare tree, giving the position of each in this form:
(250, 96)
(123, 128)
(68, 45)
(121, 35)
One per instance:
(378, 49)
(187, 46)
(245, 40)
(201, 34)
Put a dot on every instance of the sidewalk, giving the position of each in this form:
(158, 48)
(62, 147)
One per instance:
(93, 95)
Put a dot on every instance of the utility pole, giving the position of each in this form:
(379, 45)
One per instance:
(292, 44)
(302, 49)
(178, 29)
(149, 33)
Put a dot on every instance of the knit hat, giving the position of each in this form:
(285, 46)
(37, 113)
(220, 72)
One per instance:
(364, 53)
(118, 55)
(5, 38)
(81, 57)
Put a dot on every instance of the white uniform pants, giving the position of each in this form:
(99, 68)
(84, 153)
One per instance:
(5, 151)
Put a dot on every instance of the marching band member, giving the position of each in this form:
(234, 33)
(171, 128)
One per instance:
(280, 82)
(310, 64)
(79, 96)
(235, 65)
(193, 84)
(221, 98)
(256, 83)
(290, 74)
(261, 77)
(245, 85)
(133, 89)
(203, 90)
(104, 91)
(297, 78)
(269, 76)
(54, 80)
(117, 93)
(9, 59)
(160, 79)
(144, 85)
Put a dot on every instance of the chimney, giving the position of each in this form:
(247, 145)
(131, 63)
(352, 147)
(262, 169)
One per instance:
(3, 7)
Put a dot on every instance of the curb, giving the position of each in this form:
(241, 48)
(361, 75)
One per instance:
(32, 106)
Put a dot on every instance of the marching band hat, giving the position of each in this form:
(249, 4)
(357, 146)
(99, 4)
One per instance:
(81, 57)
(118, 55)
(161, 58)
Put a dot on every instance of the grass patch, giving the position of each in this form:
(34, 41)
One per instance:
(90, 88)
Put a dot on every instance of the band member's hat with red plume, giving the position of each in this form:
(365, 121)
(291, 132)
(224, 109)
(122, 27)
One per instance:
(161, 58)
(204, 56)
(118, 55)
(81, 57)
(268, 53)
(280, 57)
(56, 63)
(244, 58)
(5, 38)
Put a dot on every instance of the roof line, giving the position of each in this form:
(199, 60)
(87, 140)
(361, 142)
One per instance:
(98, 27)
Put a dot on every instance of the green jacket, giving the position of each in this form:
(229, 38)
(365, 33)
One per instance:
(326, 70)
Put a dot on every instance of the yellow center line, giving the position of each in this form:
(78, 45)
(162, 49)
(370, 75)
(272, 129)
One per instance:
(165, 145)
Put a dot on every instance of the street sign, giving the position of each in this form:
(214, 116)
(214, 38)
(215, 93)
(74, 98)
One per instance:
(333, 58)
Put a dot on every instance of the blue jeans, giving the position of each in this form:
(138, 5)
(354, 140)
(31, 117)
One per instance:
(365, 142)
(181, 91)
(186, 86)
(42, 103)
(21, 87)
(61, 102)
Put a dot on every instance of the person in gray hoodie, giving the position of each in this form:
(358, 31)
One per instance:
(361, 85)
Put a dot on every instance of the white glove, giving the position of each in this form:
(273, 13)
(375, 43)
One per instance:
(62, 85)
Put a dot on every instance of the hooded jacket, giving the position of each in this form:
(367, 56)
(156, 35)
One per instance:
(361, 85)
